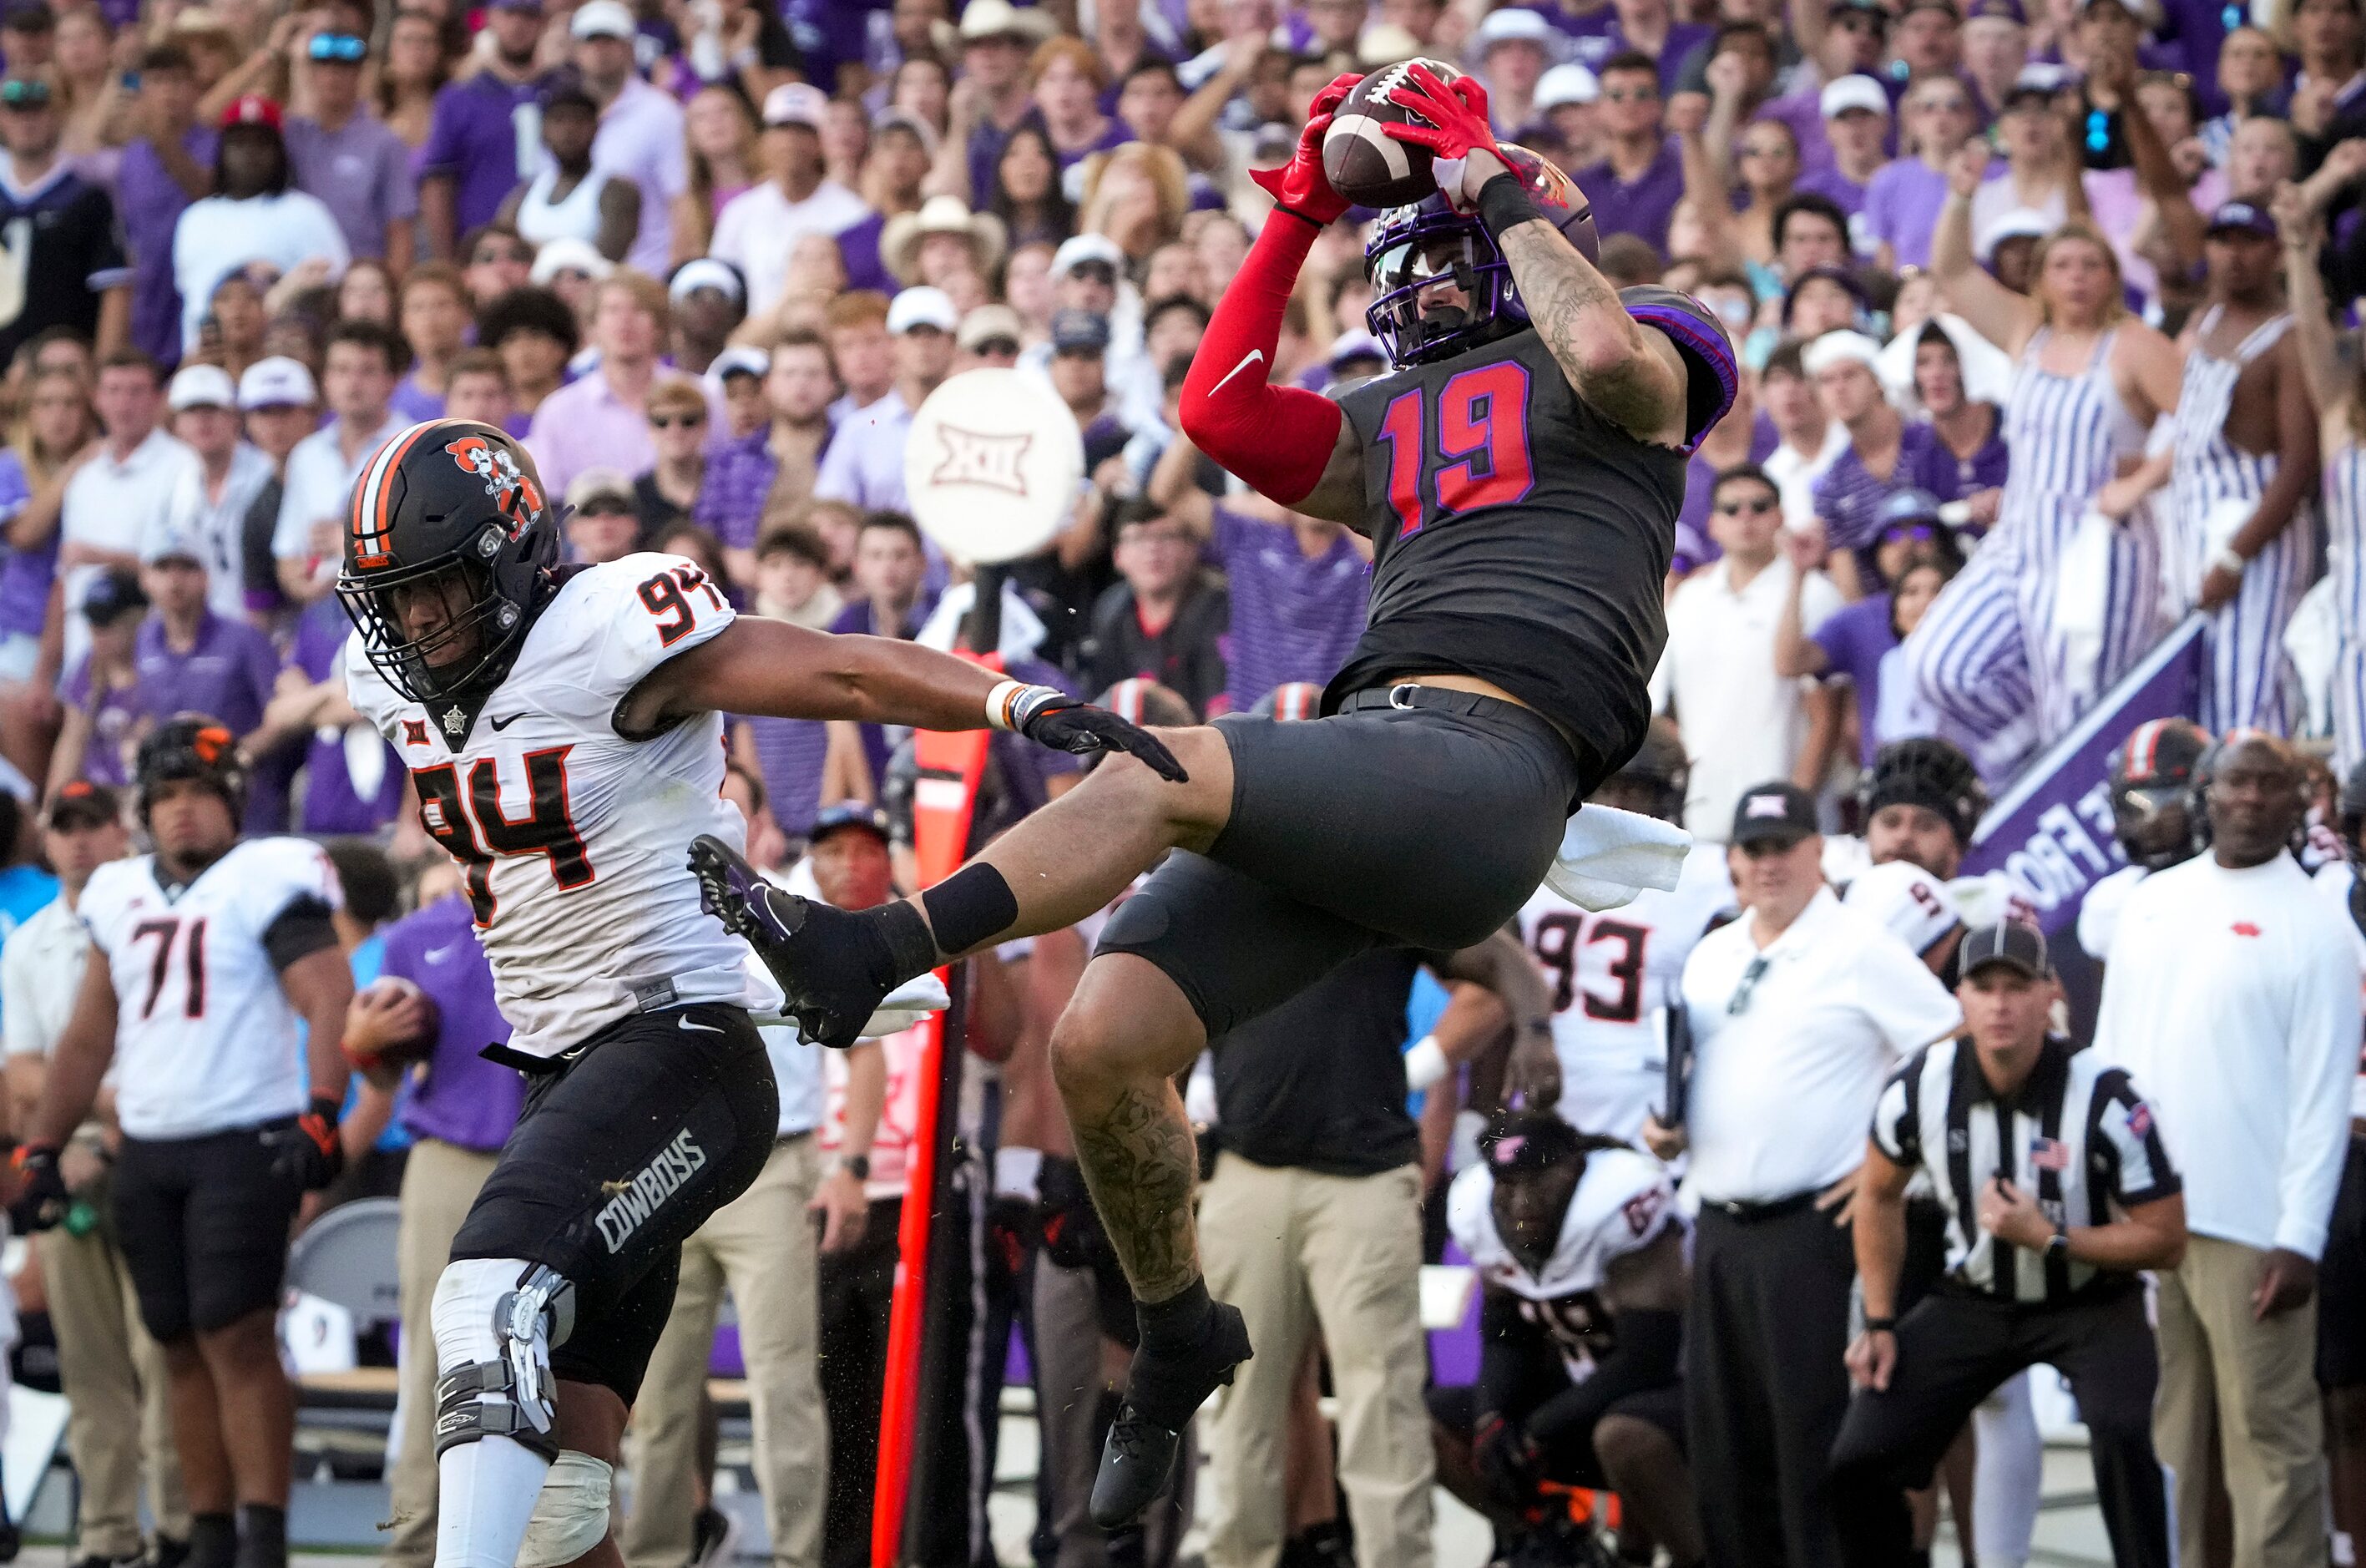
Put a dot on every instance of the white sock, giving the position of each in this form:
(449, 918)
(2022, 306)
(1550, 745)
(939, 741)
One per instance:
(2006, 1481)
(485, 1492)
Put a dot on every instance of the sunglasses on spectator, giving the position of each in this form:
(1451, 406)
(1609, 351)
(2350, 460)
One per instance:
(1630, 95)
(997, 346)
(25, 93)
(1859, 22)
(1757, 970)
(676, 420)
(1753, 507)
(343, 47)
(1095, 272)
(494, 255)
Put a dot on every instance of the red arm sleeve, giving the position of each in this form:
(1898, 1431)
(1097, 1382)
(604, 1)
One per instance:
(1276, 438)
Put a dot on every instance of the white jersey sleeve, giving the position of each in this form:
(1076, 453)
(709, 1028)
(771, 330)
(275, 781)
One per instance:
(1915, 905)
(2098, 912)
(1622, 1204)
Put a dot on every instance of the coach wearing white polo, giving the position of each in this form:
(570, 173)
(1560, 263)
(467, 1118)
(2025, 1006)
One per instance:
(1798, 1012)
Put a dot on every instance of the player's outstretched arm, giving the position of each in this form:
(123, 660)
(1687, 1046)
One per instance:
(1623, 369)
(757, 666)
(1287, 443)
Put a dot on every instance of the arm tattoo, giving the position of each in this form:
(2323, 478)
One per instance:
(1569, 304)
(1138, 1159)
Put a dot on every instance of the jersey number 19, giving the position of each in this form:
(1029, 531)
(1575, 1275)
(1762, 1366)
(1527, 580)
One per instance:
(1483, 420)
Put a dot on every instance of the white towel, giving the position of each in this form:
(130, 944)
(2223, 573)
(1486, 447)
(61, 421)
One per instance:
(904, 1006)
(1608, 856)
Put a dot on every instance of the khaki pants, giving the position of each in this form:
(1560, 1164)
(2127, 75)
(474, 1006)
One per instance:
(119, 1413)
(1295, 1250)
(439, 1182)
(2255, 1383)
(760, 1245)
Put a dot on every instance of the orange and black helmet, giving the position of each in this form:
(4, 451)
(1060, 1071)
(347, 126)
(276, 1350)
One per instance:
(448, 498)
(191, 746)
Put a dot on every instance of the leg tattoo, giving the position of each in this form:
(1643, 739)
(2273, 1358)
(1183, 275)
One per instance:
(1139, 1159)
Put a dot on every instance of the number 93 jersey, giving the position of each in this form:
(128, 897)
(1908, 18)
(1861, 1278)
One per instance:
(205, 1039)
(1611, 974)
(576, 840)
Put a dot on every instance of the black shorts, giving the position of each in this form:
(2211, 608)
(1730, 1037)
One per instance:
(620, 1153)
(1423, 825)
(1570, 1463)
(2341, 1280)
(203, 1224)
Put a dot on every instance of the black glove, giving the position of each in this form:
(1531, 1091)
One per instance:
(42, 1196)
(1506, 1460)
(1049, 717)
(308, 1152)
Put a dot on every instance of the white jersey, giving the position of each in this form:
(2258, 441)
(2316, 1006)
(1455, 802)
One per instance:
(2098, 912)
(1622, 1204)
(205, 1039)
(576, 840)
(1611, 974)
(2336, 882)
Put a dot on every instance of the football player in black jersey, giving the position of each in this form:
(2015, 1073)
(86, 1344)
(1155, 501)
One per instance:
(1519, 475)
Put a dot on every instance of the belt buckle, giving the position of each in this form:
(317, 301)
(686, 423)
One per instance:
(1400, 695)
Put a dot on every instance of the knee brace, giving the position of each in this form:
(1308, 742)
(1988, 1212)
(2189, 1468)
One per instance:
(570, 1515)
(495, 1321)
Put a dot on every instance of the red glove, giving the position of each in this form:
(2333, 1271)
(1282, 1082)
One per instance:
(1457, 112)
(1300, 185)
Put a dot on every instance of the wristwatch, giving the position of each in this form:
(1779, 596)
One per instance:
(2059, 1243)
(856, 1166)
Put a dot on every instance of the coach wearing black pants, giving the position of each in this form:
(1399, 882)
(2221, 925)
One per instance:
(1799, 1012)
(2033, 1148)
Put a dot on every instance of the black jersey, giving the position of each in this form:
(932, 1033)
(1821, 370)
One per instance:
(1520, 536)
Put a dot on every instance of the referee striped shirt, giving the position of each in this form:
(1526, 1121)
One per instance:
(2076, 1136)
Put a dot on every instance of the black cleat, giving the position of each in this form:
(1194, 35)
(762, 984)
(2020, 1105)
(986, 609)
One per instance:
(819, 954)
(1138, 1459)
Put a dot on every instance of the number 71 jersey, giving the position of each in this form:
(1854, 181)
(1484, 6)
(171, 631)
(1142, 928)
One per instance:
(576, 840)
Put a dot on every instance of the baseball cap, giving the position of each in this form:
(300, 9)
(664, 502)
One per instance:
(28, 16)
(604, 18)
(164, 541)
(904, 119)
(705, 272)
(921, 306)
(1350, 347)
(2021, 224)
(1841, 347)
(1996, 10)
(599, 484)
(793, 103)
(987, 322)
(252, 109)
(1570, 84)
(276, 382)
(740, 361)
(1080, 248)
(80, 803)
(1510, 23)
(112, 595)
(2242, 217)
(1770, 813)
(569, 254)
(1911, 903)
(848, 813)
(2038, 77)
(201, 387)
(999, 18)
(1079, 331)
(1906, 509)
(2014, 944)
(1843, 94)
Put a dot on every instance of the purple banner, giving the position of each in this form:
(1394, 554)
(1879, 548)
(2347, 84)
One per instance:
(2051, 832)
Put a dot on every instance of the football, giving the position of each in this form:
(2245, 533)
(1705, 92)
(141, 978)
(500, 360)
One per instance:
(1365, 163)
(387, 1067)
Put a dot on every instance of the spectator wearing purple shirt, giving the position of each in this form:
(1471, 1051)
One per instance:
(1967, 458)
(1635, 189)
(100, 692)
(486, 126)
(1064, 79)
(1514, 48)
(348, 157)
(1856, 112)
(997, 38)
(459, 1110)
(1879, 459)
(353, 779)
(1855, 42)
(1741, 438)
(163, 169)
(434, 318)
(1903, 198)
(1647, 27)
(57, 423)
(185, 658)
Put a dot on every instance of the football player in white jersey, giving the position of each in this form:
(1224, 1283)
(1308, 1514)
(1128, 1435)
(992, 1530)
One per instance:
(2155, 815)
(563, 730)
(1922, 799)
(1581, 1255)
(210, 957)
(1613, 974)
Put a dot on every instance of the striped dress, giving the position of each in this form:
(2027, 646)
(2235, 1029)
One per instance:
(2345, 528)
(2249, 681)
(2005, 651)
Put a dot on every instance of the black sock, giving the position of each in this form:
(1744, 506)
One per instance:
(1176, 1324)
(213, 1541)
(261, 1536)
(906, 947)
(970, 907)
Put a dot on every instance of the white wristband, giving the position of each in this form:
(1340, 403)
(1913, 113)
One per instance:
(2227, 560)
(998, 701)
(1426, 1063)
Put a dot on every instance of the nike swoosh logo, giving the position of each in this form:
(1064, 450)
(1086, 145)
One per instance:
(690, 1023)
(438, 955)
(505, 723)
(1250, 358)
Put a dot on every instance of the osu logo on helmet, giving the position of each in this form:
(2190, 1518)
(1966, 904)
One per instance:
(515, 496)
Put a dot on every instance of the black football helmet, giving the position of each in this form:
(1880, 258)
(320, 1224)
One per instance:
(1929, 773)
(190, 746)
(2157, 776)
(448, 499)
